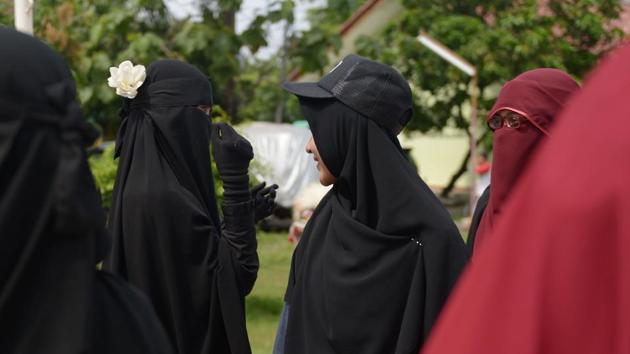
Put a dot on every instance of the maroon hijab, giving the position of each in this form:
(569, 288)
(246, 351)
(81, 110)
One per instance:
(561, 283)
(538, 95)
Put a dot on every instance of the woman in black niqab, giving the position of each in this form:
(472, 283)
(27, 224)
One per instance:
(168, 239)
(379, 255)
(52, 298)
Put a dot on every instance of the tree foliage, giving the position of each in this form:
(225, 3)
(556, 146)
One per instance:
(93, 35)
(308, 50)
(6, 12)
(501, 38)
(302, 51)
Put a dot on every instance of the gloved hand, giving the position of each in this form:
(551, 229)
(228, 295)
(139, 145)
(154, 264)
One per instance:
(264, 200)
(232, 154)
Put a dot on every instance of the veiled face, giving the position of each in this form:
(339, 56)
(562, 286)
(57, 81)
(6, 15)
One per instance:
(506, 118)
(325, 177)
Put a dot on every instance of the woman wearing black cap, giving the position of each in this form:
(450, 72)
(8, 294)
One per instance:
(52, 298)
(168, 239)
(380, 254)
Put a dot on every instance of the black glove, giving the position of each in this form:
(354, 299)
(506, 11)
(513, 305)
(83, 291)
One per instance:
(232, 154)
(264, 200)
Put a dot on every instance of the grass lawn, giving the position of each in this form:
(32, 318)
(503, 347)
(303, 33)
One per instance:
(265, 301)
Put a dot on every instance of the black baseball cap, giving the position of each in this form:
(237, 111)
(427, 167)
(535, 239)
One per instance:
(375, 90)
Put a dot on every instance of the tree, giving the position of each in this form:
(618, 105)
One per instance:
(308, 50)
(302, 50)
(6, 13)
(93, 35)
(502, 38)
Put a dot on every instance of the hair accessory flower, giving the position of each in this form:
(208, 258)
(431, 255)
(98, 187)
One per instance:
(127, 78)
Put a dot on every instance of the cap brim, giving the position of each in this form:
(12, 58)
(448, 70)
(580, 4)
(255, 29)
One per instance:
(306, 89)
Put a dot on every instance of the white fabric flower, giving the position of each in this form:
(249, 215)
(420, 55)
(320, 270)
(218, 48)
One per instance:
(127, 78)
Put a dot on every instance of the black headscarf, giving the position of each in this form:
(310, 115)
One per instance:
(52, 298)
(380, 254)
(164, 218)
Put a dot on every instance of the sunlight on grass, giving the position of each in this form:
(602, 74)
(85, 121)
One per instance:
(265, 301)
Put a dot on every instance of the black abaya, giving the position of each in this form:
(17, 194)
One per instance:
(167, 238)
(480, 208)
(379, 255)
(52, 298)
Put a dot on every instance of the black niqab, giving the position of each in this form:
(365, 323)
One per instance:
(380, 254)
(164, 219)
(52, 298)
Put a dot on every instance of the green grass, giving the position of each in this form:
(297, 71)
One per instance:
(265, 301)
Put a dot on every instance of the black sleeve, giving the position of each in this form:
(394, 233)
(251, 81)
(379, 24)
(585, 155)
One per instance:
(239, 231)
(482, 203)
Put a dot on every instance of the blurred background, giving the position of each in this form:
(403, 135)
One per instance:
(249, 47)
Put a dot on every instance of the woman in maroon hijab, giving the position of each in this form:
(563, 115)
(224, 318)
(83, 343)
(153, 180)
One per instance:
(561, 282)
(520, 119)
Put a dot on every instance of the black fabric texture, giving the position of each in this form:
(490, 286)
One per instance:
(379, 255)
(52, 228)
(232, 154)
(264, 200)
(167, 234)
(480, 208)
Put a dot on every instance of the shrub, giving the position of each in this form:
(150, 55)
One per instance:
(104, 169)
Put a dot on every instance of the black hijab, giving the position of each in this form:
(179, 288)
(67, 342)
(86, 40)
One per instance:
(380, 254)
(52, 298)
(164, 218)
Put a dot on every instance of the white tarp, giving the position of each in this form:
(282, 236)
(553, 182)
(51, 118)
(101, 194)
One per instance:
(280, 158)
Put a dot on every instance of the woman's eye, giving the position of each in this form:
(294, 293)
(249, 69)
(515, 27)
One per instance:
(495, 122)
(515, 121)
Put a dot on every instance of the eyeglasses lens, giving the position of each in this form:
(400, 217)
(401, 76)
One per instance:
(495, 122)
(513, 121)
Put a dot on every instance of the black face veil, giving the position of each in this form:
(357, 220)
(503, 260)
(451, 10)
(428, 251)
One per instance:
(164, 219)
(52, 299)
(380, 254)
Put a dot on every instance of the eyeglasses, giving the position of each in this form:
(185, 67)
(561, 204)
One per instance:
(511, 120)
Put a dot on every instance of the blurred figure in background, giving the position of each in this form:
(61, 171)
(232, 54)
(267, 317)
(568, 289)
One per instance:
(482, 170)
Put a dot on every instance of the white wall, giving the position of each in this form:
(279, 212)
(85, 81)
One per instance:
(438, 155)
